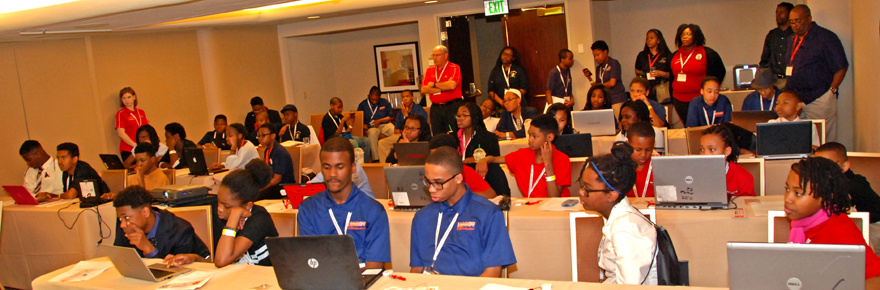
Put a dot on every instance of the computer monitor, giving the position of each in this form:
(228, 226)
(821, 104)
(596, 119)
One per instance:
(743, 74)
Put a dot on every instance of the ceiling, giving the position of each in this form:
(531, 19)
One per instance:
(84, 17)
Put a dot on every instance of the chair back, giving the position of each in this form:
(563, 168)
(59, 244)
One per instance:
(116, 179)
(661, 143)
(693, 135)
(755, 166)
(200, 218)
(376, 175)
(212, 156)
(865, 164)
(172, 177)
(779, 226)
(586, 234)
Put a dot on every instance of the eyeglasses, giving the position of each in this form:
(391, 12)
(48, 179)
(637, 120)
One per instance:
(795, 21)
(412, 128)
(461, 117)
(587, 191)
(437, 185)
(436, 55)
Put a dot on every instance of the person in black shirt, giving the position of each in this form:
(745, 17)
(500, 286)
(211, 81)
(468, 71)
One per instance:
(415, 129)
(278, 158)
(75, 171)
(471, 135)
(512, 123)
(175, 139)
(217, 137)
(775, 43)
(656, 55)
(508, 73)
(243, 239)
(257, 106)
(337, 124)
(156, 233)
(293, 129)
(864, 199)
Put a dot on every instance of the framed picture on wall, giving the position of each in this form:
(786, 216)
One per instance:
(397, 66)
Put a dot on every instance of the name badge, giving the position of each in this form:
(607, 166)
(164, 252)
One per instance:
(650, 77)
(788, 70)
(681, 78)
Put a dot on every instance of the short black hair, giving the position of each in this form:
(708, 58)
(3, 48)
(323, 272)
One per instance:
(793, 93)
(135, 196)
(709, 79)
(642, 111)
(339, 144)
(696, 32)
(335, 100)
(727, 136)
(272, 128)
(600, 45)
(71, 149)
(154, 137)
(238, 127)
(448, 158)
(826, 181)
(245, 184)
(563, 53)
(176, 129)
(425, 128)
(617, 168)
(786, 5)
(147, 148)
(601, 88)
(546, 124)
(220, 117)
(376, 90)
(641, 81)
(441, 140)
(29, 146)
(834, 147)
(641, 129)
(256, 101)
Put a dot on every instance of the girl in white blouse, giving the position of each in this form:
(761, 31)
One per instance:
(628, 247)
(241, 150)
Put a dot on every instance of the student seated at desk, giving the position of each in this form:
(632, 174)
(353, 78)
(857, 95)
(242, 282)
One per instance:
(175, 137)
(512, 123)
(711, 108)
(788, 107)
(146, 134)
(337, 124)
(562, 114)
(471, 177)
(261, 118)
(719, 140)
(471, 135)
(641, 138)
(632, 112)
(863, 197)
(765, 94)
(217, 137)
(489, 111)
(359, 177)
(541, 170)
(626, 251)
(156, 233)
(257, 107)
(638, 91)
(351, 212)
(147, 173)
(241, 151)
(279, 159)
(292, 130)
(473, 235)
(412, 132)
(247, 225)
(43, 176)
(75, 171)
(816, 202)
(597, 98)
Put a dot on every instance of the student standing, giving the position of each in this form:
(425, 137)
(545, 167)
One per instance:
(559, 80)
(719, 140)
(75, 170)
(765, 94)
(513, 119)
(343, 209)
(293, 129)
(711, 108)
(147, 173)
(548, 169)
(278, 158)
(773, 55)
(641, 137)
(247, 225)
(460, 233)
(608, 74)
(43, 176)
(217, 137)
(241, 150)
(128, 120)
(471, 135)
(653, 63)
(508, 73)
(691, 63)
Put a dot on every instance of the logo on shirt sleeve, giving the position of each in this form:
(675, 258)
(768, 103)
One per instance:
(357, 226)
(466, 226)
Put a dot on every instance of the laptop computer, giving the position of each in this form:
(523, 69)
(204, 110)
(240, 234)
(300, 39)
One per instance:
(407, 189)
(575, 145)
(690, 182)
(112, 161)
(318, 262)
(195, 161)
(90, 193)
(411, 154)
(24, 197)
(749, 120)
(129, 264)
(785, 140)
(757, 266)
(297, 192)
(596, 122)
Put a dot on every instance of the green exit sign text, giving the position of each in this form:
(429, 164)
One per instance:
(496, 7)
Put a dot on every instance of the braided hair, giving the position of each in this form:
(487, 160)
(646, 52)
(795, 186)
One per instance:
(826, 181)
(618, 168)
(727, 136)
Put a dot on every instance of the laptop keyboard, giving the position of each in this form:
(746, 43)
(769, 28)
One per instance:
(160, 273)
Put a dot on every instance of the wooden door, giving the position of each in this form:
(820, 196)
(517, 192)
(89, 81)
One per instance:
(538, 40)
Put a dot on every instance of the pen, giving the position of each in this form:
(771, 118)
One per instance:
(397, 277)
(533, 202)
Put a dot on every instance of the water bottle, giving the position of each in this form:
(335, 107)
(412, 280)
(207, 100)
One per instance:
(479, 154)
(358, 154)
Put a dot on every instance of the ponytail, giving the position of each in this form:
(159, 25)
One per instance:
(245, 184)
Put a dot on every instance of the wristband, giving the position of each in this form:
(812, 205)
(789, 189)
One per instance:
(229, 231)
(551, 178)
(172, 152)
(650, 107)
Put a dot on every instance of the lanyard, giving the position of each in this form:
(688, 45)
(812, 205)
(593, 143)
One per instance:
(517, 123)
(463, 144)
(507, 75)
(564, 85)
(601, 76)
(683, 62)
(771, 102)
(437, 77)
(795, 48)
(268, 151)
(372, 110)
(651, 62)
(648, 178)
(437, 247)
(707, 116)
(334, 121)
(336, 224)
(138, 117)
(533, 184)
(291, 134)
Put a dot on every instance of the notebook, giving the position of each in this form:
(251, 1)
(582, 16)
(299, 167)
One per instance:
(111, 161)
(195, 160)
(785, 140)
(22, 196)
(575, 145)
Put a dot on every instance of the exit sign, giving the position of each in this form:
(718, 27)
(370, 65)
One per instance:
(496, 7)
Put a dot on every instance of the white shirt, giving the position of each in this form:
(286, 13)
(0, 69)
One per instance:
(627, 248)
(815, 133)
(51, 178)
(359, 179)
(245, 154)
(491, 123)
(159, 153)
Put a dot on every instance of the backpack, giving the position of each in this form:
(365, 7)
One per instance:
(670, 271)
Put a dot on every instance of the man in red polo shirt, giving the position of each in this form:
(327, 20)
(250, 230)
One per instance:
(443, 84)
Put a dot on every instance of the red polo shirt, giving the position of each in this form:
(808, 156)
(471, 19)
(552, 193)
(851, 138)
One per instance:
(694, 69)
(840, 229)
(520, 163)
(474, 180)
(449, 72)
(641, 178)
(739, 181)
(130, 121)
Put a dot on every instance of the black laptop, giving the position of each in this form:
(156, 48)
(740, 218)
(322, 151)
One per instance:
(195, 160)
(318, 262)
(575, 145)
(112, 161)
(785, 140)
(412, 154)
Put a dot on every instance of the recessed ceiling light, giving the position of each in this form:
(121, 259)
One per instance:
(12, 6)
(288, 4)
(314, 17)
(432, 1)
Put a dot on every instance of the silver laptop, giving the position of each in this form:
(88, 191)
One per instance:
(785, 140)
(690, 182)
(413, 153)
(596, 122)
(407, 189)
(757, 266)
(129, 264)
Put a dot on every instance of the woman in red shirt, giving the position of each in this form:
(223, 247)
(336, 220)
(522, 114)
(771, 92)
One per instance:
(719, 140)
(690, 64)
(128, 120)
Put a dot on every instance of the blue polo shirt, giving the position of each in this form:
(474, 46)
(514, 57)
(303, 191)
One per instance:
(659, 109)
(478, 240)
(281, 163)
(698, 109)
(753, 101)
(611, 70)
(368, 225)
(555, 83)
(382, 107)
(817, 59)
(416, 109)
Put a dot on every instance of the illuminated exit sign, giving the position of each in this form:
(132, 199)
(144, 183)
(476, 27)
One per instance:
(496, 7)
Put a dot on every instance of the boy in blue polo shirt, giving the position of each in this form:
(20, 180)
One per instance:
(343, 209)
(471, 239)
(278, 158)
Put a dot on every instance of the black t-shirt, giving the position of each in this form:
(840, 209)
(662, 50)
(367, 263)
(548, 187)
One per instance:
(519, 79)
(295, 133)
(216, 138)
(83, 171)
(257, 228)
(329, 125)
(250, 119)
(662, 62)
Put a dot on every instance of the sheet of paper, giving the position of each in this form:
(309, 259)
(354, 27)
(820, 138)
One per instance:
(84, 270)
(761, 208)
(57, 203)
(275, 207)
(666, 193)
(369, 272)
(400, 198)
(193, 280)
(492, 286)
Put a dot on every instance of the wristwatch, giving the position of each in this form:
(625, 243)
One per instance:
(834, 90)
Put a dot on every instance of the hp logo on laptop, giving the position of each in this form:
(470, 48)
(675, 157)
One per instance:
(194, 160)
(313, 263)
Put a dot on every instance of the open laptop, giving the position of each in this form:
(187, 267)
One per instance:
(111, 161)
(690, 182)
(129, 264)
(24, 197)
(595, 122)
(195, 160)
(318, 262)
(90, 193)
(407, 189)
(749, 120)
(411, 154)
(575, 145)
(785, 140)
(757, 266)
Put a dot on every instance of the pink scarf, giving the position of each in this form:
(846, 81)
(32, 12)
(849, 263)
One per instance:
(799, 227)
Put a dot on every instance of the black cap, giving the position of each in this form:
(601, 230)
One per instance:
(289, 108)
(764, 78)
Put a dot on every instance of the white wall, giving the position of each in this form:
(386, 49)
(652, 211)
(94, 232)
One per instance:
(863, 73)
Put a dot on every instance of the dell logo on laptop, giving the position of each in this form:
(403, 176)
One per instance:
(313, 263)
(689, 179)
(794, 283)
